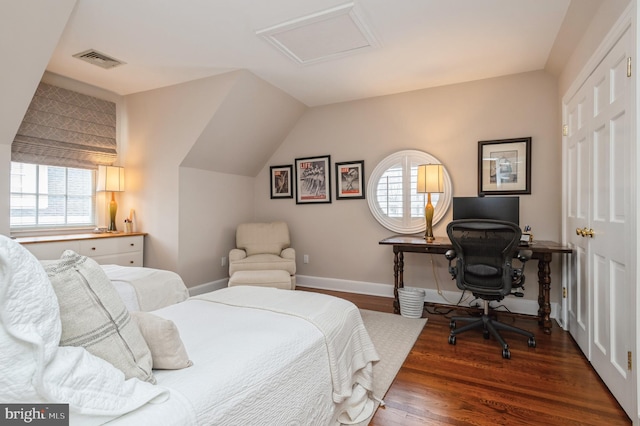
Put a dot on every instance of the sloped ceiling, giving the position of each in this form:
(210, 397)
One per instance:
(248, 126)
(28, 36)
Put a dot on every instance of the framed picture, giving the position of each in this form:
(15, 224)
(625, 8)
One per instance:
(313, 180)
(504, 166)
(350, 180)
(281, 185)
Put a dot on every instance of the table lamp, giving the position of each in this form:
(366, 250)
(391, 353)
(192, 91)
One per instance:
(430, 180)
(111, 178)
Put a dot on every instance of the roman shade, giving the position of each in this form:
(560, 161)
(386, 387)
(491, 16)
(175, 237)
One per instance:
(67, 129)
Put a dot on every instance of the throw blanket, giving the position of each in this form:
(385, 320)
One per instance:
(351, 352)
(155, 288)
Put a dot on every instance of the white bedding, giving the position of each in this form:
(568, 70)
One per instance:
(250, 369)
(256, 365)
(146, 289)
(33, 368)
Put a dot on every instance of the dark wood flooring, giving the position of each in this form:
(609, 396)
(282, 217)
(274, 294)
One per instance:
(471, 384)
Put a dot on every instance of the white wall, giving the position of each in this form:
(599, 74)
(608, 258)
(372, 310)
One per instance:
(162, 127)
(341, 238)
(190, 213)
(605, 17)
(211, 206)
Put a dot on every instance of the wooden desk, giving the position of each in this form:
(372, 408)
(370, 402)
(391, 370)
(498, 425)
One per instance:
(542, 250)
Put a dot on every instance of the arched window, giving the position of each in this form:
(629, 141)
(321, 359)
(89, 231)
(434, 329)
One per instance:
(393, 199)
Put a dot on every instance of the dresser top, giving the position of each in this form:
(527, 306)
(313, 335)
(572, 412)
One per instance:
(74, 237)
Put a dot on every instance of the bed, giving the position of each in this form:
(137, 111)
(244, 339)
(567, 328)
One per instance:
(256, 356)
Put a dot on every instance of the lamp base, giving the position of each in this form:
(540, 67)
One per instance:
(428, 216)
(113, 208)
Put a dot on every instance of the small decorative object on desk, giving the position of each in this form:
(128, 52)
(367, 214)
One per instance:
(128, 222)
(527, 236)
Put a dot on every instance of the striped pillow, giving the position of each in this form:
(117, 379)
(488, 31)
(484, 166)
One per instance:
(94, 316)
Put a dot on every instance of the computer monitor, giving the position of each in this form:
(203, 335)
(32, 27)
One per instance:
(497, 208)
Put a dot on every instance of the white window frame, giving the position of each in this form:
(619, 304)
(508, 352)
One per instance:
(38, 226)
(408, 161)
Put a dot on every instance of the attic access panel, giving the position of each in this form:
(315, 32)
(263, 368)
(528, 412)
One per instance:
(321, 36)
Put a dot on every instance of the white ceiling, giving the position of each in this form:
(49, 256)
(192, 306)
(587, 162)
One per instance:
(421, 43)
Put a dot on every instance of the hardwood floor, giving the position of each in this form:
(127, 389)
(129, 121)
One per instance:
(471, 384)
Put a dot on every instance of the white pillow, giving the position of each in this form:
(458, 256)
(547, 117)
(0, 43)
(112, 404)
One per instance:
(94, 316)
(163, 338)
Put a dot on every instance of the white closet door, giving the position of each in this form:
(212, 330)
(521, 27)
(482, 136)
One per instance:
(577, 192)
(600, 220)
(611, 251)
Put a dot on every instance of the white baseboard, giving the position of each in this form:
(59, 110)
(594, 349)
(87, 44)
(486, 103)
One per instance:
(208, 287)
(516, 305)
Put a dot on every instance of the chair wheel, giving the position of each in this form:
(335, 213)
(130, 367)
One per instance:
(531, 342)
(452, 339)
(486, 334)
(506, 353)
(452, 325)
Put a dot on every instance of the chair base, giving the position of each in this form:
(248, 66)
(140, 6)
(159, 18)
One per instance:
(489, 327)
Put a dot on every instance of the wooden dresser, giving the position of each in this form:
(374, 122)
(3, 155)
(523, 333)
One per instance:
(115, 249)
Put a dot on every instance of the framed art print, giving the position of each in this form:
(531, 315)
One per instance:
(504, 166)
(350, 180)
(313, 180)
(281, 185)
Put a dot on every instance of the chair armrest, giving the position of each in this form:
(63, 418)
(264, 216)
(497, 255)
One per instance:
(288, 253)
(236, 254)
(450, 255)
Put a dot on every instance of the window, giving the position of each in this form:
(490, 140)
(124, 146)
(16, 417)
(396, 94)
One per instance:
(51, 197)
(394, 201)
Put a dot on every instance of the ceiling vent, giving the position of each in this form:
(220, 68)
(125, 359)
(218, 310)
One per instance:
(100, 59)
(321, 36)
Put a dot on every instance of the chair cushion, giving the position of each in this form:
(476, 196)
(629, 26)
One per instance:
(263, 262)
(257, 238)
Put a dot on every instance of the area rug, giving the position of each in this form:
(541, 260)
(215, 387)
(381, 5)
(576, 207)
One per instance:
(393, 336)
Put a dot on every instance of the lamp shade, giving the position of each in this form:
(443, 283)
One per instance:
(110, 178)
(430, 178)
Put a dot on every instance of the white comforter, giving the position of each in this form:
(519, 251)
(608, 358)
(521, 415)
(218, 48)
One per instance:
(259, 366)
(351, 352)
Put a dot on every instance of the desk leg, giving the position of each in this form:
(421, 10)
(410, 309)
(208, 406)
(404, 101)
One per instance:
(544, 283)
(398, 279)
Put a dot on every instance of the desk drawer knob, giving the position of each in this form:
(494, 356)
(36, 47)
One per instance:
(93, 248)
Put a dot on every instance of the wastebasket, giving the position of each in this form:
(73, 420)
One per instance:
(411, 302)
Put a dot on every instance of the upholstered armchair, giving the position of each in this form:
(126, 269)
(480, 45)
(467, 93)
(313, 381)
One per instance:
(263, 247)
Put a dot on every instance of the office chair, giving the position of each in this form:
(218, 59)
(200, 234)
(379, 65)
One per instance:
(483, 251)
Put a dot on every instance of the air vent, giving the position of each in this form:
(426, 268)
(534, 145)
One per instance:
(100, 59)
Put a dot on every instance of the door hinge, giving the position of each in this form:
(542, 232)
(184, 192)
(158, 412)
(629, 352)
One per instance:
(629, 66)
(564, 292)
(565, 130)
(629, 362)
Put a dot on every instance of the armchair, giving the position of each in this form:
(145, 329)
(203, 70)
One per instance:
(263, 247)
(483, 253)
